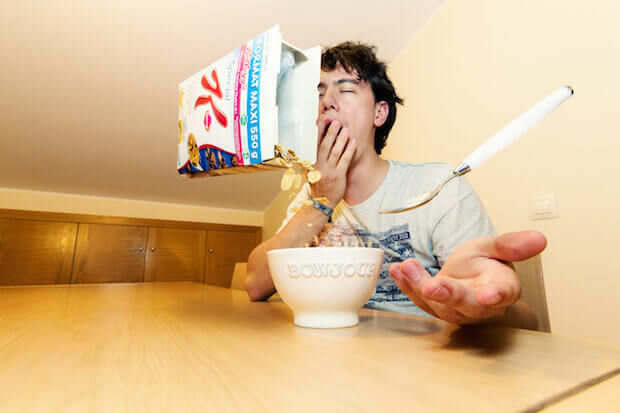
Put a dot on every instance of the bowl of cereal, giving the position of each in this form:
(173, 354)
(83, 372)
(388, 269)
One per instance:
(325, 287)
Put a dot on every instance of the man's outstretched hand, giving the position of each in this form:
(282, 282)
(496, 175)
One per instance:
(476, 284)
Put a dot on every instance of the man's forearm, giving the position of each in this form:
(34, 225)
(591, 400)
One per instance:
(258, 282)
(301, 229)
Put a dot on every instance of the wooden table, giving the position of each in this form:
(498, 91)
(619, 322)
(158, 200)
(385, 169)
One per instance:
(193, 347)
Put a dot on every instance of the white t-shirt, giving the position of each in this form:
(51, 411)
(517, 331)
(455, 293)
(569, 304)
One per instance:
(429, 233)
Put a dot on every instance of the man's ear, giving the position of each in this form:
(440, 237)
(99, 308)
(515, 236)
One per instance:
(382, 109)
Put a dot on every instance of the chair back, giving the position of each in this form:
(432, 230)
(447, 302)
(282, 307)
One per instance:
(238, 278)
(533, 289)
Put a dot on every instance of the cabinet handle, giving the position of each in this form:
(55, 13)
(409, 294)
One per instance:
(152, 249)
(210, 250)
(141, 249)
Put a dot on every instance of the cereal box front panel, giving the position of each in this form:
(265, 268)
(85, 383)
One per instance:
(227, 110)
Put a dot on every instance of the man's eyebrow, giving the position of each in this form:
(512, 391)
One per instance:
(339, 82)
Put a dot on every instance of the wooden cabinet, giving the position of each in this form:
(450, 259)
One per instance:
(175, 255)
(224, 249)
(36, 252)
(109, 253)
(50, 248)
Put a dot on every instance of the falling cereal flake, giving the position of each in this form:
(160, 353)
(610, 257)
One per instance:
(314, 176)
(309, 224)
(291, 195)
(288, 179)
(284, 163)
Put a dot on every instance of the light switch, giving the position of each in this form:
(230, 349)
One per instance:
(543, 206)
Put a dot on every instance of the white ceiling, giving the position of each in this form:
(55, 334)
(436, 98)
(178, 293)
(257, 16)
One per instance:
(88, 99)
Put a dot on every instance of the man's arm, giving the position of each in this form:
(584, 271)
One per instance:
(301, 229)
(336, 150)
(477, 284)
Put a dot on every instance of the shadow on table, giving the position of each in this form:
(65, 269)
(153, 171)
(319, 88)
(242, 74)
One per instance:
(375, 326)
(381, 323)
(482, 340)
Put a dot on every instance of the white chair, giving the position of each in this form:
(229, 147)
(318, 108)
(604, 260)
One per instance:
(533, 290)
(238, 278)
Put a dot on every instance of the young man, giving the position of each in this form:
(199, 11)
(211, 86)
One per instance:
(442, 258)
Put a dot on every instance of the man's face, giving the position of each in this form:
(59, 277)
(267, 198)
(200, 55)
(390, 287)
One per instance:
(344, 98)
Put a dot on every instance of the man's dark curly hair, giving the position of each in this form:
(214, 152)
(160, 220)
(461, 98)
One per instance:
(361, 59)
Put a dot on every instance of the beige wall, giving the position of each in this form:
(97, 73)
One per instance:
(274, 215)
(478, 64)
(77, 204)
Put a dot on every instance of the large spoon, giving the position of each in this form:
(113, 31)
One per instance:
(496, 143)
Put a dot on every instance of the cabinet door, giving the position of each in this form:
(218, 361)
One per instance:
(224, 249)
(109, 253)
(175, 255)
(36, 252)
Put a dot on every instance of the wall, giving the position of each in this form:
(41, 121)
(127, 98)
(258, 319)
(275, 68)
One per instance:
(78, 204)
(475, 66)
(274, 215)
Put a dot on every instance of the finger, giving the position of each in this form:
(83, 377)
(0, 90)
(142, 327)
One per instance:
(329, 139)
(417, 276)
(498, 294)
(322, 125)
(327, 142)
(444, 290)
(513, 246)
(341, 141)
(404, 286)
(347, 155)
(457, 295)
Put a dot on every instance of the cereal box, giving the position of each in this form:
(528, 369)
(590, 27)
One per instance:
(233, 112)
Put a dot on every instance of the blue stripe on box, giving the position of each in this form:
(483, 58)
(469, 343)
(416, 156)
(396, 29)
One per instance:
(253, 101)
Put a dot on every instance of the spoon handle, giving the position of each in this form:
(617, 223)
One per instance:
(515, 129)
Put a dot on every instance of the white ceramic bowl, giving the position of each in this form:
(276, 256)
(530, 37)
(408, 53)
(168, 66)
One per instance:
(325, 287)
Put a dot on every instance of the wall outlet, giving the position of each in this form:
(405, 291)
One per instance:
(543, 206)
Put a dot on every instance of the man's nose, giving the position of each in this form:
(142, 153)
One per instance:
(329, 103)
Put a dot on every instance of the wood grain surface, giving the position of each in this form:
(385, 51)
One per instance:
(224, 250)
(109, 253)
(36, 252)
(193, 347)
(175, 255)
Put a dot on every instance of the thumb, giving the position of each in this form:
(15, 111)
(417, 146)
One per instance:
(513, 246)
